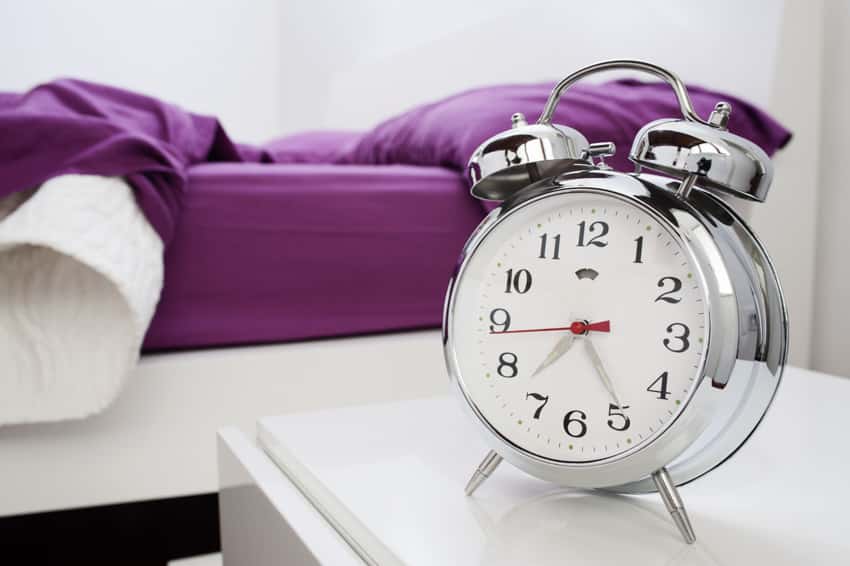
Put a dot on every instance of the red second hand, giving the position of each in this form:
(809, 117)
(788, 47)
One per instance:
(578, 327)
(602, 326)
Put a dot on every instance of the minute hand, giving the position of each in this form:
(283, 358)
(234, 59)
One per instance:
(600, 370)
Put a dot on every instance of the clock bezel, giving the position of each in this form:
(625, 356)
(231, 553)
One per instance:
(721, 314)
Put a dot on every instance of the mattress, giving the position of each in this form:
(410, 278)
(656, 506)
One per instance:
(271, 252)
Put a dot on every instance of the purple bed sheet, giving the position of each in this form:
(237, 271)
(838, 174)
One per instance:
(270, 252)
(320, 233)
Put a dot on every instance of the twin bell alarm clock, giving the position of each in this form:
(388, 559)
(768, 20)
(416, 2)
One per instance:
(621, 331)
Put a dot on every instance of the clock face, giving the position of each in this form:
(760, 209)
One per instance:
(579, 327)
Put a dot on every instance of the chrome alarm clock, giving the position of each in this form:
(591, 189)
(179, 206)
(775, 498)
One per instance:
(622, 331)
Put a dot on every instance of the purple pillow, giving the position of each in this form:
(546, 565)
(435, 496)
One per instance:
(445, 133)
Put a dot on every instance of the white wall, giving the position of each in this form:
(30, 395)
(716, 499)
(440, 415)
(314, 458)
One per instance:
(212, 56)
(831, 329)
(368, 59)
(788, 220)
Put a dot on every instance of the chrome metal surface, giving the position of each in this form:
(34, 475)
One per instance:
(623, 64)
(512, 160)
(761, 351)
(719, 159)
(693, 146)
(720, 115)
(684, 189)
(674, 504)
(600, 150)
(487, 466)
(745, 350)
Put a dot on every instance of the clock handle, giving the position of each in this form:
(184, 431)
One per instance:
(673, 80)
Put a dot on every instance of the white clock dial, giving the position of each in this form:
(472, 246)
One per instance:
(578, 327)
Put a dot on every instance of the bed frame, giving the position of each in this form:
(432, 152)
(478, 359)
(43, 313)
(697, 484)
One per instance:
(159, 438)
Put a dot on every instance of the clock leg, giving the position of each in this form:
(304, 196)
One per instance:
(674, 504)
(490, 462)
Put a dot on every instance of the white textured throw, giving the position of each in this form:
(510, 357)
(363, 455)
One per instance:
(80, 276)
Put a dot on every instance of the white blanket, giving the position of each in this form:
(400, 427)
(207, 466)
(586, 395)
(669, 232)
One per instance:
(80, 276)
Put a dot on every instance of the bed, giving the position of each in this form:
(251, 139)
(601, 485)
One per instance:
(266, 259)
(271, 253)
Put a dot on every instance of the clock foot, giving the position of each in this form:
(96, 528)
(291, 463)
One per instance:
(490, 462)
(674, 504)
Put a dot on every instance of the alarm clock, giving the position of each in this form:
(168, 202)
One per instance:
(613, 330)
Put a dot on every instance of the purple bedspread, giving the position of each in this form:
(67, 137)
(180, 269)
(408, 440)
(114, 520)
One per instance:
(70, 126)
(268, 253)
(282, 241)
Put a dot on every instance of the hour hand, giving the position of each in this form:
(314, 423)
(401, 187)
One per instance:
(561, 347)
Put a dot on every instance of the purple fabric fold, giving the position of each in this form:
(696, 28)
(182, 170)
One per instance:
(72, 126)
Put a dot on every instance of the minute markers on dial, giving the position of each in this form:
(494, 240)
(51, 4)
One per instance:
(624, 287)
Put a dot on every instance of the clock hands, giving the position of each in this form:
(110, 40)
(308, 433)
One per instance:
(578, 327)
(561, 347)
(600, 370)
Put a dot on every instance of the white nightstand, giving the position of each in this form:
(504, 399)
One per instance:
(383, 485)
